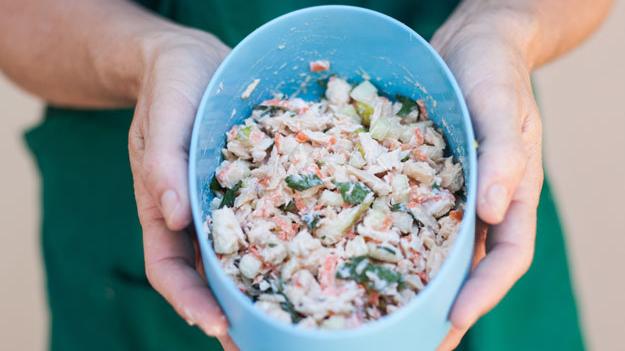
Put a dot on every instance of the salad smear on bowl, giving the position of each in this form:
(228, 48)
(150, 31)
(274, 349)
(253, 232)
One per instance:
(332, 213)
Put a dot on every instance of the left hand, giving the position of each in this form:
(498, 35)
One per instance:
(488, 56)
(179, 63)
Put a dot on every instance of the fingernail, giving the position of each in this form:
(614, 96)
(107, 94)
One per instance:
(214, 330)
(188, 317)
(496, 198)
(169, 203)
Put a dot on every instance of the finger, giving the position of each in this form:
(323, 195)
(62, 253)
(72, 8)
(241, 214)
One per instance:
(510, 249)
(452, 340)
(509, 257)
(170, 271)
(227, 343)
(169, 267)
(168, 124)
(455, 335)
(497, 114)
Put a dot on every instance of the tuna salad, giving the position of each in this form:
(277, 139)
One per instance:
(332, 213)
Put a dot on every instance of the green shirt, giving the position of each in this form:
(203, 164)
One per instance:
(98, 294)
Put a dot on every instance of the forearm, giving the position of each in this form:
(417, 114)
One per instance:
(86, 53)
(541, 29)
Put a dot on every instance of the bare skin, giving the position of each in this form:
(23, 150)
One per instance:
(113, 53)
(492, 48)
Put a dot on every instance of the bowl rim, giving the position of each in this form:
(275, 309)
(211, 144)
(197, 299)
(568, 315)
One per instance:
(469, 211)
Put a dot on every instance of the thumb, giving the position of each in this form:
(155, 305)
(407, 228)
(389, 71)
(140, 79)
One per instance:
(169, 122)
(497, 114)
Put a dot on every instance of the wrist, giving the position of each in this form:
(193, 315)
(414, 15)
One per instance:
(125, 62)
(512, 25)
(119, 62)
(156, 49)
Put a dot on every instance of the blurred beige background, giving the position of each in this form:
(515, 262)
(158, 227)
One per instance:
(584, 90)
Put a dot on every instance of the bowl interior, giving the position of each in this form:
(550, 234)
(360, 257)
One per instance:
(359, 44)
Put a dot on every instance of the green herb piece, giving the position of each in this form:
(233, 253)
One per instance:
(252, 289)
(436, 186)
(388, 249)
(289, 207)
(364, 111)
(301, 182)
(288, 307)
(270, 109)
(311, 220)
(399, 208)
(230, 195)
(353, 193)
(360, 268)
(278, 287)
(215, 186)
(407, 105)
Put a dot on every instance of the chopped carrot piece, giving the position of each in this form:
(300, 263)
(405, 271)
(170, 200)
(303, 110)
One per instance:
(328, 272)
(374, 298)
(319, 65)
(276, 141)
(264, 181)
(423, 276)
(456, 215)
(419, 136)
(301, 137)
(299, 203)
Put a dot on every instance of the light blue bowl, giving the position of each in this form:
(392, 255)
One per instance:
(398, 61)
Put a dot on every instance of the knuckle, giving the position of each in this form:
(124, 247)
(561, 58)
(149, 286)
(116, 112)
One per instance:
(532, 129)
(150, 275)
(526, 261)
(136, 142)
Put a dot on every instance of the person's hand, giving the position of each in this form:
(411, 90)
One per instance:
(177, 68)
(486, 52)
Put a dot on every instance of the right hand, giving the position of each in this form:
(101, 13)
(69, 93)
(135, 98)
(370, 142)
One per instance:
(485, 49)
(177, 68)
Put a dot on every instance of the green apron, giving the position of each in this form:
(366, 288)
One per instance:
(98, 294)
